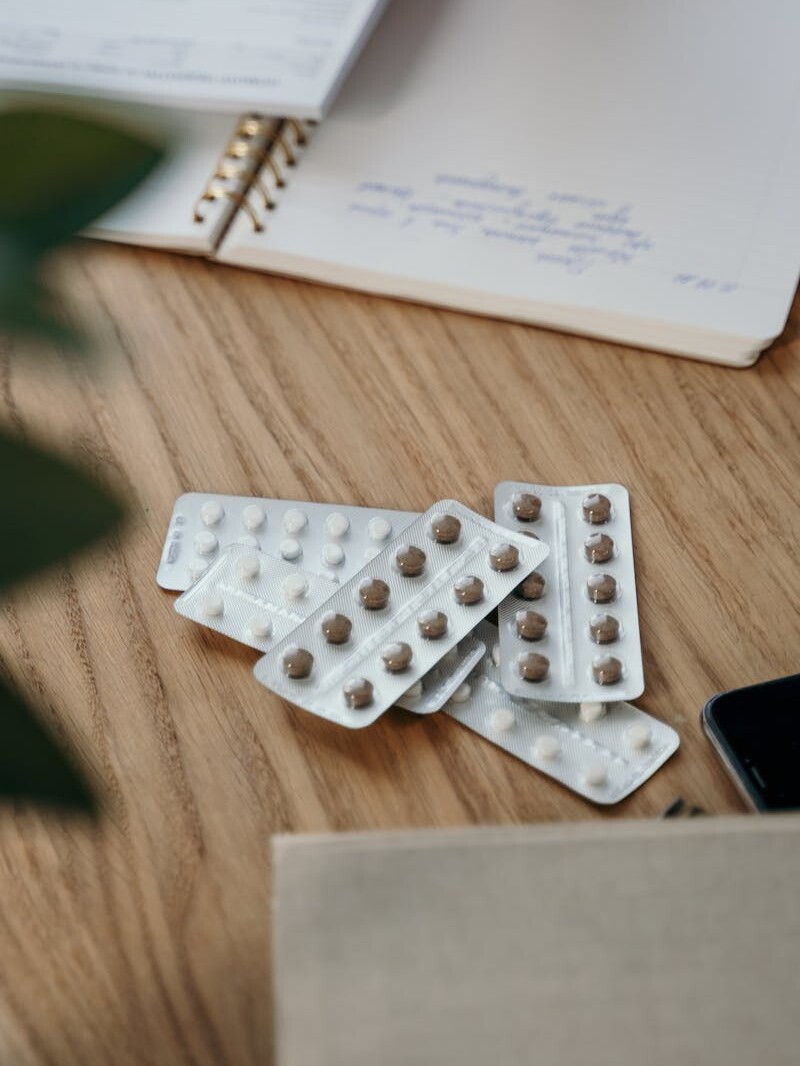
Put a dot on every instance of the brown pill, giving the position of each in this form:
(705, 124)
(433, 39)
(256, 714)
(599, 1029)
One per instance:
(410, 560)
(530, 625)
(606, 670)
(468, 589)
(373, 593)
(503, 557)
(532, 666)
(532, 588)
(297, 662)
(445, 528)
(432, 624)
(397, 656)
(603, 628)
(526, 506)
(599, 547)
(336, 628)
(596, 508)
(602, 588)
(357, 692)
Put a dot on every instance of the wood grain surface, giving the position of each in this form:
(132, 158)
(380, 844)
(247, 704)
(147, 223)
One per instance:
(147, 940)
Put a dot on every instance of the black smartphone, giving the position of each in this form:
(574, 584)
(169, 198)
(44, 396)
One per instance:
(756, 732)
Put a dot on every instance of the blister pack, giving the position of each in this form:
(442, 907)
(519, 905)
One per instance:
(387, 627)
(256, 599)
(570, 631)
(253, 597)
(446, 680)
(602, 751)
(328, 539)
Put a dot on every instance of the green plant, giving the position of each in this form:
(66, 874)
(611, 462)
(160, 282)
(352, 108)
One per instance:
(62, 171)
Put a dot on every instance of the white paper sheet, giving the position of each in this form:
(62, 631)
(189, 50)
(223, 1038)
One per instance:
(273, 56)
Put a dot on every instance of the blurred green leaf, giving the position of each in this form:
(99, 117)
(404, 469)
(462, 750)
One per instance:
(67, 171)
(28, 308)
(63, 172)
(48, 509)
(32, 767)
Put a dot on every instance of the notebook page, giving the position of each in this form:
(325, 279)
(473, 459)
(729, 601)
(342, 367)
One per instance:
(159, 213)
(240, 55)
(560, 160)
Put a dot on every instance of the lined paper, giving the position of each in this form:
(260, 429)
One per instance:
(561, 161)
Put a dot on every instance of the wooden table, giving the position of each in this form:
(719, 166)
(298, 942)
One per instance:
(147, 939)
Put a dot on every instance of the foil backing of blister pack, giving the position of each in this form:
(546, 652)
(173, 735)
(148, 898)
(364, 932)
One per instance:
(441, 683)
(420, 613)
(253, 597)
(333, 540)
(603, 759)
(590, 635)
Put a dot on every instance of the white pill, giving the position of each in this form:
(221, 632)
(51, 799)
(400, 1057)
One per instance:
(501, 719)
(336, 525)
(331, 576)
(260, 628)
(546, 747)
(639, 735)
(211, 513)
(197, 567)
(248, 567)
(595, 775)
(591, 710)
(294, 520)
(370, 553)
(290, 548)
(247, 540)
(213, 606)
(332, 555)
(379, 528)
(496, 655)
(414, 692)
(462, 693)
(294, 586)
(205, 543)
(253, 516)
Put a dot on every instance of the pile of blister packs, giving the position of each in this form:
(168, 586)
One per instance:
(358, 609)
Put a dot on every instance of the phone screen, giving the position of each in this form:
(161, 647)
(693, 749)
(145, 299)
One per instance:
(759, 728)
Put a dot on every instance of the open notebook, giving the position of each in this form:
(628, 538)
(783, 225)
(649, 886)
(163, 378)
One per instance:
(627, 170)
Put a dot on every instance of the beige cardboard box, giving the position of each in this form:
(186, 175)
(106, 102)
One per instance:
(606, 944)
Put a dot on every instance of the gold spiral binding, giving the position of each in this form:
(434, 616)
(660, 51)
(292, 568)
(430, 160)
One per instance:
(254, 146)
(280, 181)
(281, 140)
(238, 164)
(299, 132)
(250, 126)
(283, 144)
(215, 192)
